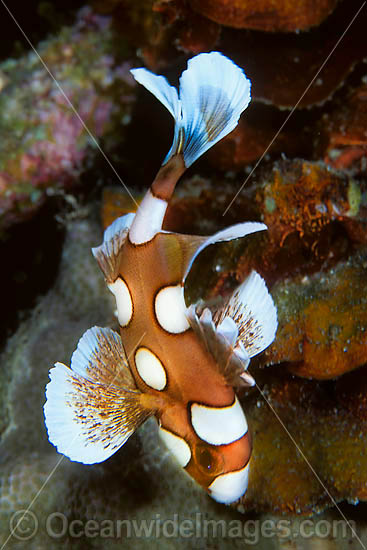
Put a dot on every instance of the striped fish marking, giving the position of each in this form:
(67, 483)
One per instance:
(181, 365)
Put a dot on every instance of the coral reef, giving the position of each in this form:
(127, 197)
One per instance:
(45, 146)
(164, 29)
(268, 15)
(141, 484)
(313, 424)
(311, 211)
(313, 257)
(345, 133)
(322, 321)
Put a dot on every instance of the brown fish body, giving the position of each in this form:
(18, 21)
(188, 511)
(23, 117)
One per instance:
(180, 364)
(192, 373)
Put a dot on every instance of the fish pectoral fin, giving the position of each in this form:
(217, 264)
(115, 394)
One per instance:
(191, 245)
(88, 421)
(220, 344)
(252, 310)
(93, 407)
(108, 253)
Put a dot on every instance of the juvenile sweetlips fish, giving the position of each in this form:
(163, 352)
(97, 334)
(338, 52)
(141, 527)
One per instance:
(180, 364)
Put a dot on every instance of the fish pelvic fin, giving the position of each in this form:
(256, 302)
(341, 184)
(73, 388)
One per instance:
(241, 328)
(93, 407)
(252, 310)
(220, 344)
(213, 93)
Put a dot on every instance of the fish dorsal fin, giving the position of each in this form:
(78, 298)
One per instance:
(108, 253)
(189, 245)
(93, 407)
(253, 311)
(219, 343)
(192, 245)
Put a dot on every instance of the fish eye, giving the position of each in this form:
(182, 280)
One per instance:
(208, 459)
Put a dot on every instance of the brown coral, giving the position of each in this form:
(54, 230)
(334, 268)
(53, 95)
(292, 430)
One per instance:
(308, 446)
(323, 321)
(266, 15)
(345, 133)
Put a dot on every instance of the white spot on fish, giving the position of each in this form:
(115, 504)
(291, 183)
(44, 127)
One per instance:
(177, 446)
(219, 425)
(150, 369)
(230, 487)
(148, 219)
(124, 301)
(170, 309)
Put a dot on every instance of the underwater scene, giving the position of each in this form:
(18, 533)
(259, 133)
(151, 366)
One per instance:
(183, 230)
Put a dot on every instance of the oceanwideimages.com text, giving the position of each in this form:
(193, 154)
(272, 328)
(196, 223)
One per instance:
(24, 525)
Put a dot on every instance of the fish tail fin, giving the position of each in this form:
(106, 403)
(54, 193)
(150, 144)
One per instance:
(213, 93)
(93, 407)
